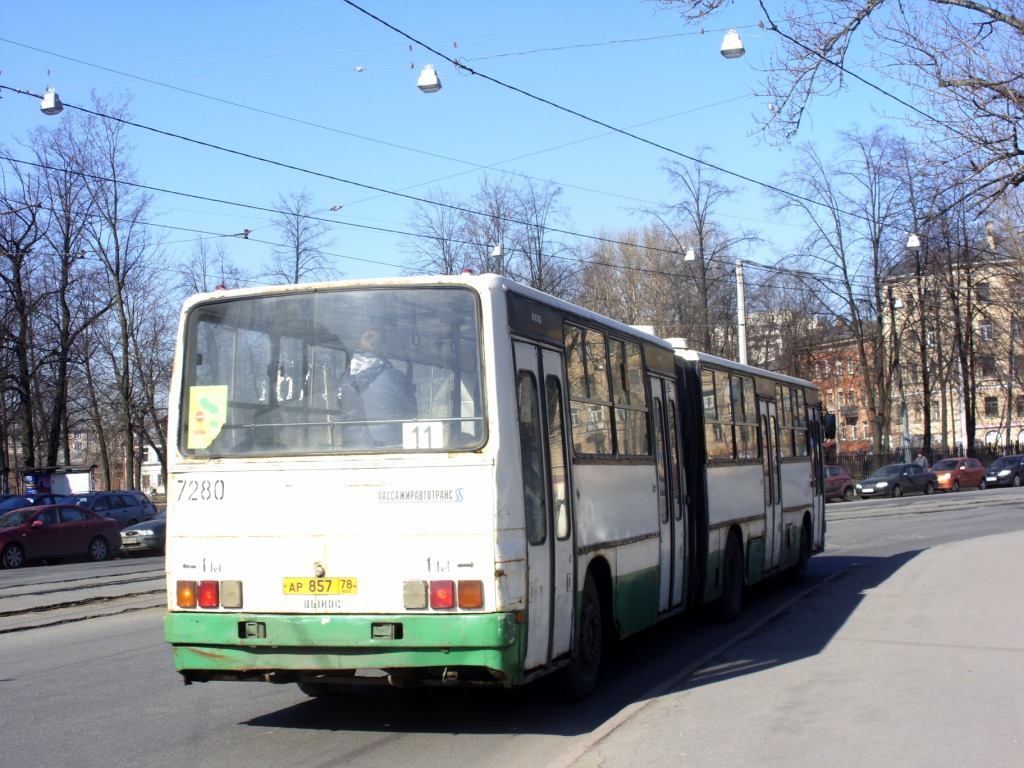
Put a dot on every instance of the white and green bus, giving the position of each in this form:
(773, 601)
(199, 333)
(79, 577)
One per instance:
(462, 481)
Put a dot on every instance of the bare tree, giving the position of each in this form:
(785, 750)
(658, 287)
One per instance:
(631, 276)
(119, 238)
(850, 208)
(209, 266)
(711, 246)
(438, 246)
(488, 223)
(301, 256)
(505, 230)
(20, 234)
(541, 261)
(962, 60)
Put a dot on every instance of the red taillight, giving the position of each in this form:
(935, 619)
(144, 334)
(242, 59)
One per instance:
(209, 594)
(442, 594)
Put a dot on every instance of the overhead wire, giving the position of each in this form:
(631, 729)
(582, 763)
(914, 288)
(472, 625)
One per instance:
(723, 262)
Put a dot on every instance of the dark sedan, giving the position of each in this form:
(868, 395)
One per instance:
(55, 530)
(145, 538)
(897, 479)
(1006, 470)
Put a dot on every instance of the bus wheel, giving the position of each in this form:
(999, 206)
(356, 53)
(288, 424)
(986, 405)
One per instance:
(583, 671)
(798, 572)
(728, 606)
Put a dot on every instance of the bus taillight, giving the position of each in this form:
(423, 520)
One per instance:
(415, 595)
(186, 594)
(471, 594)
(209, 594)
(442, 594)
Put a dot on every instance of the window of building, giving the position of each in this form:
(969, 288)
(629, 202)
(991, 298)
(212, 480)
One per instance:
(987, 365)
(1018, 406)
(983, 292)
(991, 406)
(985, 330)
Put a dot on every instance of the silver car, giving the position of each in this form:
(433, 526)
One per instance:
(145, 538)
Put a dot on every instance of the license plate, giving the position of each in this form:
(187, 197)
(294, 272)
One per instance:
(332, 586)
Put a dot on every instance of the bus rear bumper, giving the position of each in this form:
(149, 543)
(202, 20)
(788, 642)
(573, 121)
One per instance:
(411, 649)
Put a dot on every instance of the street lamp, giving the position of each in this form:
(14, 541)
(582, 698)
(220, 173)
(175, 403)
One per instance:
(732, 46)
(428, 81)
(51, 103)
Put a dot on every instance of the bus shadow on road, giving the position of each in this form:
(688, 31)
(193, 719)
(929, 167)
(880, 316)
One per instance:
(780, 625)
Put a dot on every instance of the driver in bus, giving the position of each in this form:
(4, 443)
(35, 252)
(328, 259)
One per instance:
(374, 396)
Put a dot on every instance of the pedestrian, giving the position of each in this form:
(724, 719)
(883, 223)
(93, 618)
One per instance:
(921, 461)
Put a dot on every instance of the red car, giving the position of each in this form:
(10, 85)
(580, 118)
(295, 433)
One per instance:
(955, 474)
(55, 530)
(838, 483)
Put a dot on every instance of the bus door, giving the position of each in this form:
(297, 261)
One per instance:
(670, 495)
(772, 482)
(541, 395)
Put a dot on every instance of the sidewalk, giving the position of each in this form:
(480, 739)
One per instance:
(927, 670)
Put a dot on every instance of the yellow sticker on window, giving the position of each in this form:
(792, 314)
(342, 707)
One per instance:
(207, 409)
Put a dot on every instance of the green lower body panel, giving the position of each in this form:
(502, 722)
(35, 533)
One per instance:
(636, 600)
(224, 646)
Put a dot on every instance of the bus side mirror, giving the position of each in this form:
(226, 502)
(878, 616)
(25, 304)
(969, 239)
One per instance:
(830, 426)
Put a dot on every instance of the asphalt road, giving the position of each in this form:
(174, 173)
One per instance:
(86, 679)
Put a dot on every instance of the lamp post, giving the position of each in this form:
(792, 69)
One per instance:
(741, 313)
(895, 304)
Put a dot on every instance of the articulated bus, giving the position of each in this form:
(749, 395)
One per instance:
(462, 481)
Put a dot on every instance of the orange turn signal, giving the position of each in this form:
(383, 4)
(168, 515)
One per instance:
(471, 594)
(186, 594)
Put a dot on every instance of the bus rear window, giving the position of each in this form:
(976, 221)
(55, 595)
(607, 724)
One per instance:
(353, 370)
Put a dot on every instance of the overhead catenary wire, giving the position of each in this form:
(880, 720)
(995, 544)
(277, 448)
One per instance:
(725, 262)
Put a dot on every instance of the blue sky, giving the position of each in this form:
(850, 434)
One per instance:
(282, 81)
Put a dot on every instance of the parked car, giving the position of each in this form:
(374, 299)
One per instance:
(838, 483)
(147, 537)
(119, 505)
(148, 506)
(55, 530)
(897, 479)
(17, 501)
(1006, 470)
(954, 474)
